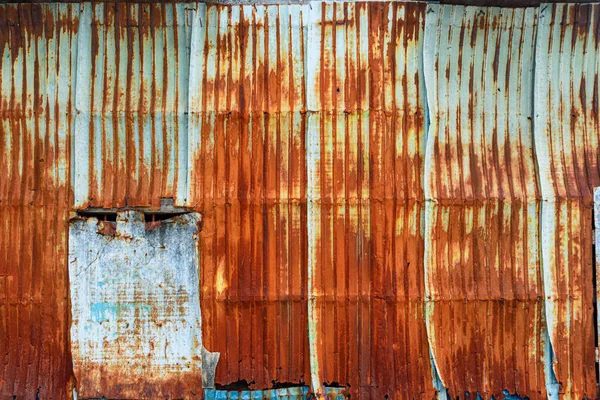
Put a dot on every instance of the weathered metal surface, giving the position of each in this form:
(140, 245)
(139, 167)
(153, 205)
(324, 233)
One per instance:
(300, 132)
(131, 101)
(365, 147)
(567, 256)
(247, 140)
(485, 315)
(566, 101)
(479, 74)
(136, 326)
(483, 279)
(567, 146)
(292, 393)
(36, 67)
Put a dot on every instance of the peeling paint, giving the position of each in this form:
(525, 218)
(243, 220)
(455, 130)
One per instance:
(136, 328)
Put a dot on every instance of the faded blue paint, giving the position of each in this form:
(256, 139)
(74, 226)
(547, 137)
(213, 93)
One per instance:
(99, 310)
(293, 393)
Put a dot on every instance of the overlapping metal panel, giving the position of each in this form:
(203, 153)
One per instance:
(566, 140)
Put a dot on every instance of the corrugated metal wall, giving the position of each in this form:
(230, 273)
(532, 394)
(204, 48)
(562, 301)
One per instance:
(247, 138)
(35, 98)
(396, 196)
(482, 242)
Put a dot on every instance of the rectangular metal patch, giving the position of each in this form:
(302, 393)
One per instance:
(136, 325)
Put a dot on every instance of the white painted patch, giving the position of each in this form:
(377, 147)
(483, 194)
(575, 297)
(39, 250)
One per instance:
(135, 304)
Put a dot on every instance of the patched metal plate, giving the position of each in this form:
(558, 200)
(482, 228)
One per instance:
(136, 325)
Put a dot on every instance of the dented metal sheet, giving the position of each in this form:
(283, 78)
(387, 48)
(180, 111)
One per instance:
(135, 329)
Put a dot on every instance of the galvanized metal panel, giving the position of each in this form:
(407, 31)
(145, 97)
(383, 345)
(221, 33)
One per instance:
(482, 245)
(136, 326)
(36, 68)
(365, 147)
(566, 139)
(247, 140)
(131, 143)
(479, 73)
(566, 100)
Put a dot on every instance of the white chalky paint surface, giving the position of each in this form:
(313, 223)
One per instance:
(136, 324)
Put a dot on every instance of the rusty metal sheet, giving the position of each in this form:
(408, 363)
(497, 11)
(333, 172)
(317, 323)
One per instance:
(34, 318)
(479, 74)
(252, 248)
(485, 251)
(36, 68)
(300, 133)
(131, 103)
(485, 314)
(489, 347)
(247, 140)
(566, 140)
(248, 59)
(566, 100)
(365, 147)
(135, 307)
(483, 274)
(567, 261)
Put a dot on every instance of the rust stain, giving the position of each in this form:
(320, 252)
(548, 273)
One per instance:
(424, 242)
(34, 198)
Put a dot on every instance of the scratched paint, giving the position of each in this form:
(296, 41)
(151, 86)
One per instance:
(136, 326)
